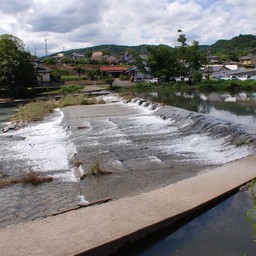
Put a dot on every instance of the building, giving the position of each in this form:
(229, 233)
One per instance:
(78, 56)
(114, 71)
(112, 60)
(97, 56)
(248, 61)
(44, 75)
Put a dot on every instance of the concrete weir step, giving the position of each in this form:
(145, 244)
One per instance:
(103, 229)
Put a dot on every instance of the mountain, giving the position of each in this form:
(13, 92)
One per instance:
(240, 45)
(108, 49)
(236, 47)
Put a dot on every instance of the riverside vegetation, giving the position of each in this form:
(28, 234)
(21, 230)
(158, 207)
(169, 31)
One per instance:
(35, 111)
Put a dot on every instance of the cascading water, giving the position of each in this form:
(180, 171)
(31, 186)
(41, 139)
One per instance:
(145, 146)
(45, 148)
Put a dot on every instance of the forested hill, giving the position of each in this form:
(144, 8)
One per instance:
(240, 45)
(236, 47)
(109, 49)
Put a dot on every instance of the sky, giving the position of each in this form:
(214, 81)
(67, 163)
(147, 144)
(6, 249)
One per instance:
(71, 24)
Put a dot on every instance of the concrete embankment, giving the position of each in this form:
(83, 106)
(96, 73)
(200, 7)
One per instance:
(103, 229)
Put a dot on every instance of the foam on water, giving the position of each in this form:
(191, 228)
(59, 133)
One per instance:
(206, 149)
(182, 139)
(45, 146)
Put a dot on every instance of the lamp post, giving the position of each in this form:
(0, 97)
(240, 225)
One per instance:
(46, 51)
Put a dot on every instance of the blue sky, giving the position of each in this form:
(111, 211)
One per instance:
(70, 24)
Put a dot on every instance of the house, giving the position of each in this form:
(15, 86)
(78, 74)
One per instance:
(44, 75)
(114, 71)
(112, 60)
(125, 57)
(212, 69)
(97, 56)
(77, 56)
(58, 57)
(214, 59)
(248, 61)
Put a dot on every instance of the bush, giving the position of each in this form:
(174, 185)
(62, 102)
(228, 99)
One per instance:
(123, 78)
(71, 88)
(71, 78)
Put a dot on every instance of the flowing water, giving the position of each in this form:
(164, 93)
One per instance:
(152, 141)
(224, 229)
(43, 148)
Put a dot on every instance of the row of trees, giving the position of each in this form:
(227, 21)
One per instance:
(184, 60)
(17, 74)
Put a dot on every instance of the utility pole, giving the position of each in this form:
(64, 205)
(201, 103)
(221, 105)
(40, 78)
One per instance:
(46, 51)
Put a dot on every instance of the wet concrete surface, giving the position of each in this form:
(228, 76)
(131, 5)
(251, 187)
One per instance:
(103, 229)
(123, 140)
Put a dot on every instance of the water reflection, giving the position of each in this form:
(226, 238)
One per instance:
(238, 108)
(251, 213)
(5, 114)
(223, 230)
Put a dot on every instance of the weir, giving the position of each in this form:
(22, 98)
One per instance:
(206, 123)
(106, 228)
(140, 150)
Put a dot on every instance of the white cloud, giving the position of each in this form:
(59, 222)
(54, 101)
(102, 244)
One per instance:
(77, 24)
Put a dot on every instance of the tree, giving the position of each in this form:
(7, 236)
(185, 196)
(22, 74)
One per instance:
(109, 81)
(79, 70)
(162, 61)
(17, 73)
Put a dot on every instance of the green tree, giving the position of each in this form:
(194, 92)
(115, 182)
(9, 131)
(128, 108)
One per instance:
(17, 74)
(162, 61)
(109, 81)
(79, 70)
(182, 39)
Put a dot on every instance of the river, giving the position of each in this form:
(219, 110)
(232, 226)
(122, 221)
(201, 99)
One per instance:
(145, 142)
(224, 229)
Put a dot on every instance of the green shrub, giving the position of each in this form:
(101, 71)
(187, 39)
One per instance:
(71, 88)
(71, 78)
(123, 78)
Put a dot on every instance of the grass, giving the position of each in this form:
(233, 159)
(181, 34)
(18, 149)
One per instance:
(251, 214)
(71, 78)
(34, 111)
(96, 169)
(207, 85)
(30, 177)
(70, 88)
(71, 100)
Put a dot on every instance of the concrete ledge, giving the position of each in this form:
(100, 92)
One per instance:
(103, 229)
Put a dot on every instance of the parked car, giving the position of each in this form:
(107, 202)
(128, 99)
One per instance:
(139, 80)
(245, 77)
(233, 78)
(154, 80)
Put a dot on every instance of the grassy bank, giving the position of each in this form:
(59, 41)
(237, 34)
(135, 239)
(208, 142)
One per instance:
(208, 85)
(36, 111)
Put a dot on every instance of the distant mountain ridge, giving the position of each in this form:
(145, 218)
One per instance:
(239, 45)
